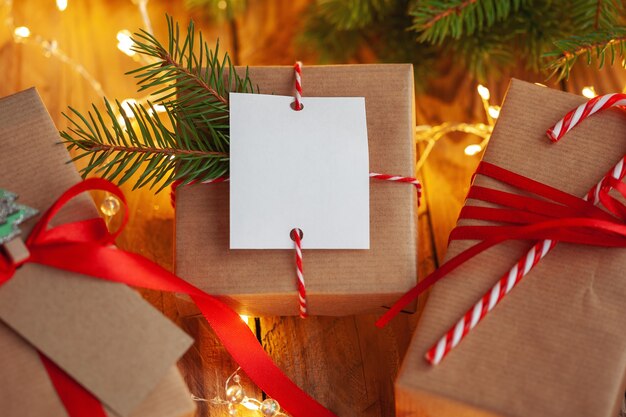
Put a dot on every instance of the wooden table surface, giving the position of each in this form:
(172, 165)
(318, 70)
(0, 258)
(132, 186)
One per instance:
(344, 362)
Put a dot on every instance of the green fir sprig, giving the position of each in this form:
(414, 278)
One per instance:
(483, 37)
(435, 20)
(601, 46)
(180, 133)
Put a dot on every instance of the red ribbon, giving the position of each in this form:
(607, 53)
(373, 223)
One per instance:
(85, 247)
(549, 214)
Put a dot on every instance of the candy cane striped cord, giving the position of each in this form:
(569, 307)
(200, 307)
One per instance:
(296, 235)
(488, 302)
(583, 111)
(507, 282)
(397, 178)
(298, 85)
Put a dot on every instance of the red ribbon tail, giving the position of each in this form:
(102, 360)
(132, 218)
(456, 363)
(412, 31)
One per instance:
(78, 402)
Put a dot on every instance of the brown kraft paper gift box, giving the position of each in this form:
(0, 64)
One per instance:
(104, 335)
(555, 346)
(339, 282)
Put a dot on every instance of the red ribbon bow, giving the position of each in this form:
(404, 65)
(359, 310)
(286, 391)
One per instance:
(548, 214)
(85, 247)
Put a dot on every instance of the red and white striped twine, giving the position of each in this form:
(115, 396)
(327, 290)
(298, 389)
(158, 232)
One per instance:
(397, 178)
(296, 235)
(508, 281)
(298, 86)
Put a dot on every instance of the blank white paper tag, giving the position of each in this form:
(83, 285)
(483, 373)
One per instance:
(305, 169)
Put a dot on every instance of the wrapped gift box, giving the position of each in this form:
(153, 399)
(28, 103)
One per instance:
(31, 394)
(339, 282)
(104, 335)
(555, 346)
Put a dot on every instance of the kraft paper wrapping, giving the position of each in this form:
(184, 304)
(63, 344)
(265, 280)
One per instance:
(339, 282)
(103, 334)
(555, 346)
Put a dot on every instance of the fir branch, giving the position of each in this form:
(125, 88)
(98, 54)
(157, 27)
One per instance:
(594, 15)
(353, 14)
(447, 12)
(188, 141)
(595, 45)
(93, 147)
(436, 20)
(596, 20)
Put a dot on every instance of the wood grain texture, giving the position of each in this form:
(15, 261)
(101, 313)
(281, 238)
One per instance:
(346, 363)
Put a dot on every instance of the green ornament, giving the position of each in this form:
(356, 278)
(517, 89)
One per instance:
(12, 215)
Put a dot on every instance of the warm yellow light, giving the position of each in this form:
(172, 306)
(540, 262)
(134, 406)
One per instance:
(62, 5)
(494, 111)
(125, 42)
(127, 105)
(541, 85)
(589, 91)
(250, 405)
(473, 149)
(222, 5)
(22, 32)
(244, 318)
(156, 108)
(483, 92)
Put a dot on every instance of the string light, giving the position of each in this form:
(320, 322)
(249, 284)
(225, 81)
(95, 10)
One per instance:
(62, 5)
(142, 6)
(127, 106)
(159, 108)
(125, 42)
(21, 33)
(50, 48)
(431, 134)
(483, 92)
(236, 398)
(473, 149)
(494, 111)
(589, 91)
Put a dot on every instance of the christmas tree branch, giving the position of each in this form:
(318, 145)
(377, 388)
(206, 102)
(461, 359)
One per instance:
(447, 12)
(146, 149)
(183, 136)
(436, 20)
(168, 59)
(593, 45)
(596, 20)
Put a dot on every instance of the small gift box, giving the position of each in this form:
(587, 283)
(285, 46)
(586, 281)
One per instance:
(339, 282)
(102, 334)
(554, 346)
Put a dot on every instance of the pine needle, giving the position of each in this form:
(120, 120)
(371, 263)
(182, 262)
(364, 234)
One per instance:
(601, 46)
(188, 84)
